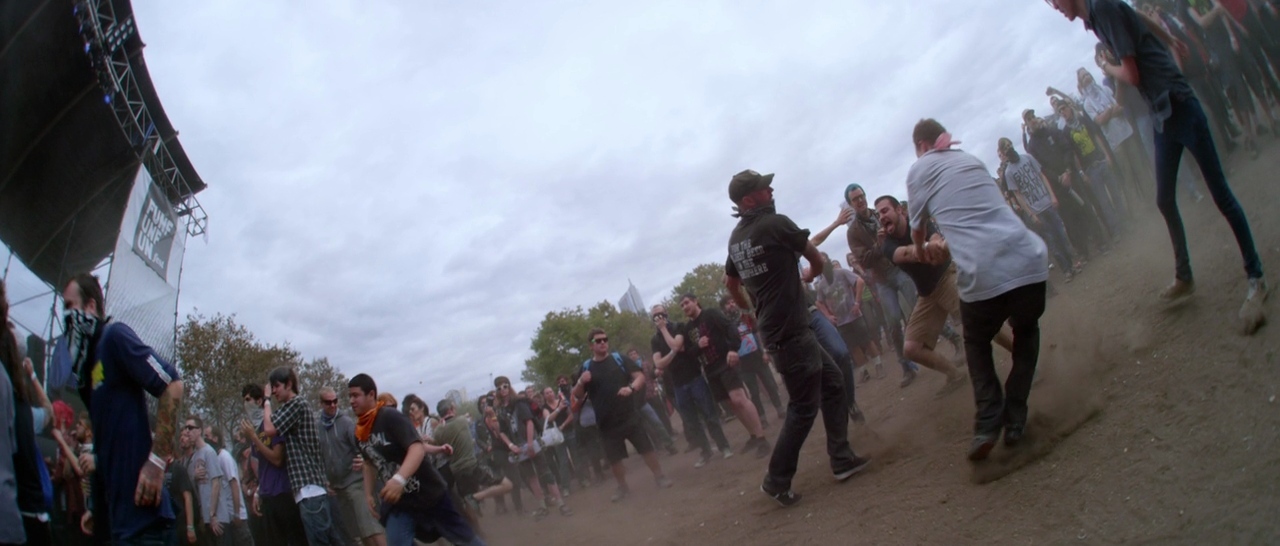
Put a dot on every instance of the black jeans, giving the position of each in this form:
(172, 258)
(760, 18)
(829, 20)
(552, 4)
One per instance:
(756, 376)
(1187, 127)
(283, 521)
(1022, 308)
(814, 384)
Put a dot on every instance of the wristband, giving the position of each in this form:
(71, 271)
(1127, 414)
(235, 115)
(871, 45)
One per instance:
(398, 479)
(156, 460)
(191, 528)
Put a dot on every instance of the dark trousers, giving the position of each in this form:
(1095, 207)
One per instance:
(660, 407)
(829, 341)
(814, 384)
(754, 367)
(258, 529)
(282, 520)
(1188, 128)
(700, 416)
(1022, 308)
(159, 534)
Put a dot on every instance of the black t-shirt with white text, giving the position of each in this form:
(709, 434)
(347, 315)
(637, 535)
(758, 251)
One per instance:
(386, 448)
(684, 367)
(764, 251)
(722, 335)
(608, 376)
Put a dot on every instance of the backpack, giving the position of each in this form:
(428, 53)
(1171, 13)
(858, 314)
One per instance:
(586, 366)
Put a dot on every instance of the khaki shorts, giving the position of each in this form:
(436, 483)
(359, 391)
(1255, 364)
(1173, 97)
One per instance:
(354, 509)
(931, 312)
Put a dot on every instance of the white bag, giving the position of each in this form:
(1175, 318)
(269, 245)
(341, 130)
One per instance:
(551, 435)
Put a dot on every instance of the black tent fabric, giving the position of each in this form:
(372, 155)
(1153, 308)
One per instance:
(66, 166)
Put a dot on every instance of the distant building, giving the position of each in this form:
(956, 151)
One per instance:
(631, 300)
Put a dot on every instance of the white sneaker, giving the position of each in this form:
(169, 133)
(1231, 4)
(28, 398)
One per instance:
(728, 453)
(1257, 290)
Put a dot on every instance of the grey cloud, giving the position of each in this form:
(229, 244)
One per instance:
(407, 188)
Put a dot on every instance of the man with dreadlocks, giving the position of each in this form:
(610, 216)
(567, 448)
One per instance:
(116, 371)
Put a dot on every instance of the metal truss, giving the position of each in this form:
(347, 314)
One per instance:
(105, 36)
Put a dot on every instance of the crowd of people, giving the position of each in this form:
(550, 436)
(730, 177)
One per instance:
(964, 259)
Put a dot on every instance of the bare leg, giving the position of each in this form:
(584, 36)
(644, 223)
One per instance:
(495, 490)
(1004, 338)
(928, 358)
(745, 412)
(620, 474)
(651, 461)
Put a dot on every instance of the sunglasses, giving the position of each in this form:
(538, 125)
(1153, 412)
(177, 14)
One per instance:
(600, 340)
(191, 427)
(333, 402)
(504, 387)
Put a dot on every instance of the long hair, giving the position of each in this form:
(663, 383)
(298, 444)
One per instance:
(10, 354)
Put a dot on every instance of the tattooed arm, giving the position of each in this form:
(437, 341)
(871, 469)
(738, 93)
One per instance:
(167, 420)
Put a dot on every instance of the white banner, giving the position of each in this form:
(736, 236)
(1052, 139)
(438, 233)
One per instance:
(142, 286)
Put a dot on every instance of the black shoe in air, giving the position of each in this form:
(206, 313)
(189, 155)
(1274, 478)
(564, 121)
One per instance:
(981, 446)
(785, 498)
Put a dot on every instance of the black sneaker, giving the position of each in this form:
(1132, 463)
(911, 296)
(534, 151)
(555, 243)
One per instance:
(856, 415)
(1013, 436)
(785, 498)
(859, 464)
(671, 450)
(981, 446)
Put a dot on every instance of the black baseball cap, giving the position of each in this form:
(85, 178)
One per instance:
(746, 182)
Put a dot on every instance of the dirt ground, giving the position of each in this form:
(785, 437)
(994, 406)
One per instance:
(1150, 424)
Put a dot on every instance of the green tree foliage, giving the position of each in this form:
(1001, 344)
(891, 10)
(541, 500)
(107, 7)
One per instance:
(219, 356)
(706, 281)
(560, 344)
(319, 373)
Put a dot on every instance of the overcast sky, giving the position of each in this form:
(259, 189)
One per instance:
(409, 187)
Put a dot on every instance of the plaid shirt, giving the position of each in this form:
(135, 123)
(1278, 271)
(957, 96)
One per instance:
(302, 452)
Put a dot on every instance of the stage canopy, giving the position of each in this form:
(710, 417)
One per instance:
(78, 117)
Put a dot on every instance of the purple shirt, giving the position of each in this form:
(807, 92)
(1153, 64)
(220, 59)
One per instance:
(272, 480)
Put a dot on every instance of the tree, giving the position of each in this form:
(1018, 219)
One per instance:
(218, 357)
(318, 373)
(706, 281)
(560, 345)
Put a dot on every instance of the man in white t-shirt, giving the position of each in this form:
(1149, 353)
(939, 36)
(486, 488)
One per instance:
(1001, 269)
(239, 515)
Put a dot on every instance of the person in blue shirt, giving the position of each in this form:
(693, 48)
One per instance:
(1141, 46)
(116, 372)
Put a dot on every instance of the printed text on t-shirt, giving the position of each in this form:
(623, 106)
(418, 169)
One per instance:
(743, 255)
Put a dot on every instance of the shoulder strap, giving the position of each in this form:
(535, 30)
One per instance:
(618, 358)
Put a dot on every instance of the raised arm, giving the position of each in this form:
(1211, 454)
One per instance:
(42, 397)
(842, 219)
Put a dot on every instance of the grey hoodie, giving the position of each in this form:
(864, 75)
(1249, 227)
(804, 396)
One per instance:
(338, 445)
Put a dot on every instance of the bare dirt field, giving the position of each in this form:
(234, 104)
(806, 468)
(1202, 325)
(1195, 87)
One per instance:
(1150, 424)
